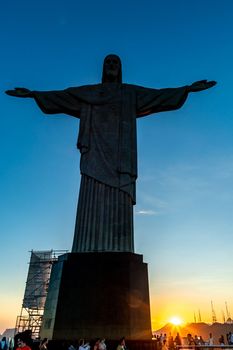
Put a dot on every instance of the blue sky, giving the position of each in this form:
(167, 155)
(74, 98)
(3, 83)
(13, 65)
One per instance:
(183, 217)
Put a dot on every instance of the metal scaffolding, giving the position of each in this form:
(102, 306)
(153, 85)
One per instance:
(36, 291)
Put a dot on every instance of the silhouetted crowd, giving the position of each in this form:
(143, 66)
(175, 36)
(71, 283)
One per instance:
(169, 342)
(24, 341)
(97, 344)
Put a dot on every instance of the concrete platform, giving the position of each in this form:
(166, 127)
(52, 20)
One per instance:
(98, 295)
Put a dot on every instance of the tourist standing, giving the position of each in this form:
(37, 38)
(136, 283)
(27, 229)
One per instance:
(22, 345)
(231, 338)
(164, 345)
(178, 339)
(170, 342)
(43, 344)
(221, 340)
(121, 345)
(3, 344)
(102, 345)
(211, 340)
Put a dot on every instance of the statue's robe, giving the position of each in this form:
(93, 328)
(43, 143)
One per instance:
(108, 147)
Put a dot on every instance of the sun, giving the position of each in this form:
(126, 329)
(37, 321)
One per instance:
(176, 321)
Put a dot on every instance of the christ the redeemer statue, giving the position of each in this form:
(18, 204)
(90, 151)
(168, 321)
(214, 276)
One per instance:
(108, 147)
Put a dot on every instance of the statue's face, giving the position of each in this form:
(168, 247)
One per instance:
(112, 67)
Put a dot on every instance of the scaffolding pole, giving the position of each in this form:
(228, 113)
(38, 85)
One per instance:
(36, 290)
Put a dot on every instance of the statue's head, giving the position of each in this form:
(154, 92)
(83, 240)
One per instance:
(112, 72)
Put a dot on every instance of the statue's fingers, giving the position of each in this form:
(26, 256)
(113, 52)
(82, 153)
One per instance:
(200, 82)
(210, 84)
(213, 82)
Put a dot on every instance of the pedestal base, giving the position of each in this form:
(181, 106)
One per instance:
(98, 295)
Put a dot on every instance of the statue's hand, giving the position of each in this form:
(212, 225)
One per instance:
(201, 85)
(19, 92)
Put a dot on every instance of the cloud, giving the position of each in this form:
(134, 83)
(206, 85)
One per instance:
(146, 212)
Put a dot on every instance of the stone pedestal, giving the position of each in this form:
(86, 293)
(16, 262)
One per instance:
(98, 295)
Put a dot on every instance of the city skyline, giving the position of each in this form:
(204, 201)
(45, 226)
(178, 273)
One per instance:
(183, 217)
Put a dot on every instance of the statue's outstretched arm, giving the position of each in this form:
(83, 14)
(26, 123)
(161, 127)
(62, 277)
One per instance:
(201, 85)
(20, 92)
(52, 102)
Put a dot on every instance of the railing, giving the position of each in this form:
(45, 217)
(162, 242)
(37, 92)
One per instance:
(204, 347)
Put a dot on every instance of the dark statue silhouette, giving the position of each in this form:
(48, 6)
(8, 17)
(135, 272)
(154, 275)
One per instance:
(107, 143)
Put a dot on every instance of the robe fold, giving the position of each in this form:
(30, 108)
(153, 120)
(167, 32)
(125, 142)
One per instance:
(108, 145)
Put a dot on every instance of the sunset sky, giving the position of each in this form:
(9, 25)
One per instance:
(183, 216)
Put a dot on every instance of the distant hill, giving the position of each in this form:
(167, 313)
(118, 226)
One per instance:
(201, 328)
